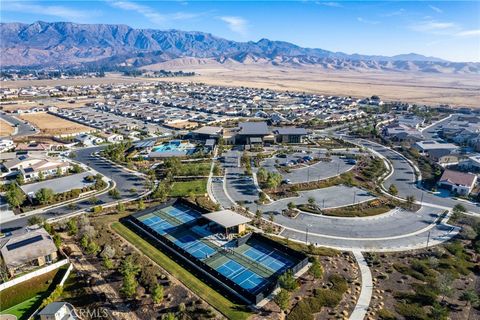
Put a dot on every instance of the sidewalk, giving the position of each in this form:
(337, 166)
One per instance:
(363, 301)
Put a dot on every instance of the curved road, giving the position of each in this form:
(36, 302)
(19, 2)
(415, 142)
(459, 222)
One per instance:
(22, 128)
(394, 231)
(124, 180)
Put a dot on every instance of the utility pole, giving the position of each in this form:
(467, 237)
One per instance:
(428, 239)
(354, 196)
(421, 200)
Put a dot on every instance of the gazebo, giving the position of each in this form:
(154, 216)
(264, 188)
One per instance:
(231, 221)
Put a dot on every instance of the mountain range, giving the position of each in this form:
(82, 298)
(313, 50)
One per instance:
(66, 44)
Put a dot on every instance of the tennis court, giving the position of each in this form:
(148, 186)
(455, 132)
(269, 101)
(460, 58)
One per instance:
(252, 266)
(267, 257)
(195, 247)
(158, 224)
(240, 275)
(181, 213)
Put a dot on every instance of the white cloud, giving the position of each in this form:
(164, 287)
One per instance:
(330, 4)
(362, 20)
(62, 12)
(468, 33)
(438, 27)
(151, 14)
(236, 24)
(436, 9)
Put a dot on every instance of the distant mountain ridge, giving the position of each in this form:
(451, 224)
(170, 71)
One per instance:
(62, 44)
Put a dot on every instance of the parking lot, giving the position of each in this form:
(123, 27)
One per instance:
(307, 171)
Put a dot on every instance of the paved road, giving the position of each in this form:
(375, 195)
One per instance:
(325, 198)
(124, 182)
(431, 132)
(23, 128)
(396, 230)
(404, 179)
(317, 171)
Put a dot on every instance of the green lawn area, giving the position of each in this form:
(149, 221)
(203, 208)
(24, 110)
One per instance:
(185, 188)
(194, 169)
(215, 299)
(24, 309)
(23, 298)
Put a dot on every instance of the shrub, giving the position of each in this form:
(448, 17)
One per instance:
(384, 314)
(411, 311)
(300, 312)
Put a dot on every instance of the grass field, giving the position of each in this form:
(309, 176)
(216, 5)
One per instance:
(52, 125)
(25, 308)
(185, 188)
(226, 307)
(23, 298)
(6, 128)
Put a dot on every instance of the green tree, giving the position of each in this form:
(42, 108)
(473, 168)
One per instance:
(120, 207)
(274, 179)
(57, 240)
(129, 266)
(114, 193)
(311, 201)
(393, 190)
(72, 227)
(458, 209)
(93, 200)
(129, 285)
(41, 176)
(44, 195)
(316, 269)
(287, 281)
(282, 299)
(262, 197)
(291, 205)
(262, 175)
(19, 179)
(33, 220)
(92, 248)
(14, 195)
(108, 263)
(141, 204)
(84, 241)
(169, 316)
(157, 294)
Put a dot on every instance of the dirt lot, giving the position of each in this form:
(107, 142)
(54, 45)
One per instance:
(5, 128)
(28, 104)
(52, 125)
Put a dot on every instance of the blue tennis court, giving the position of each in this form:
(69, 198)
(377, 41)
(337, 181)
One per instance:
(158, 224)
(268, 258)
(181, 213)
(240, 275)
(195, 247)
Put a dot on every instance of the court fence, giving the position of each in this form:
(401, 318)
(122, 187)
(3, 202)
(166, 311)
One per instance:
(202, 270)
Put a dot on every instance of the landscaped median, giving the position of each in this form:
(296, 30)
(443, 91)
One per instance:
(215, 299)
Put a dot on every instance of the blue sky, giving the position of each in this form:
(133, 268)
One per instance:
(445, 29)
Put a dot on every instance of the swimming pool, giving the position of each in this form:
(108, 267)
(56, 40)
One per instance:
(174, 145)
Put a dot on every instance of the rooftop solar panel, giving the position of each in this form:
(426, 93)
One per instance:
(23, 243)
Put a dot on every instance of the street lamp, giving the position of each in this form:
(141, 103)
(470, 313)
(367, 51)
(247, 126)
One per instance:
(354, 196)
(306, 235)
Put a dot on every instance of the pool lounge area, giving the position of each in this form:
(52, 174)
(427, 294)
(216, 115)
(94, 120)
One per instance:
(173, 148)
(248, 266)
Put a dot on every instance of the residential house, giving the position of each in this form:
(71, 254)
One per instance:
(88, 139)
(33, 167)
(457, 182)
(27, 249)
(59, 311)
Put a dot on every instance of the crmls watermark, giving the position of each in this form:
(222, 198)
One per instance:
(92, 313)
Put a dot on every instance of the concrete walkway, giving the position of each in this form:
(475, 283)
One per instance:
(363, 301)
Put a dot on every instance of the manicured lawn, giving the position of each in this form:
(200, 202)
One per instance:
(26, 290)
(26, 308)
(215, 299)
(194, 169)
(185, 188)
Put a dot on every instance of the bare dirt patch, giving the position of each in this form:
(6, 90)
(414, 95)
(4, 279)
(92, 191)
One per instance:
(53, 125)
(6, 129)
